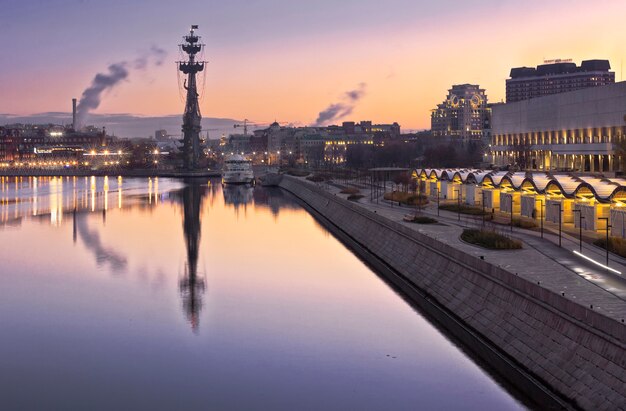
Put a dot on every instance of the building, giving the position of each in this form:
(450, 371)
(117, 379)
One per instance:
(580, 131)
(586, 202)
(556, 76)
(313, 144)
(390, 130)
(161, 135)
(464, 114)
(30, 142)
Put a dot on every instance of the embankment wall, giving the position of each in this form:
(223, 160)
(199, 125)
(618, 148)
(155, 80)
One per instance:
(557, 351)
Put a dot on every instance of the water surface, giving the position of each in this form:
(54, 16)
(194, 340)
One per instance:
(156, 294)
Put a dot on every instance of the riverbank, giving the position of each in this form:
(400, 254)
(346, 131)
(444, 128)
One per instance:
(559, 350)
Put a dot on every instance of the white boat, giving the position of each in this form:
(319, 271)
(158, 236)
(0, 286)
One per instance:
(237, 170)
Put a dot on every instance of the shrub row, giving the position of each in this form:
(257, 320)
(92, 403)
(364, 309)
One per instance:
(406, 198)
(463, 209)
(616, 245)
(490, 239)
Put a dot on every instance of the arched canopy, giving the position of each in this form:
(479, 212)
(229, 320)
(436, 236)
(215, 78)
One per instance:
(493, 180)
(601, 189)
(554, 189)
(540, 181)
(567, 184)
(479, 176)
(619, 196)
(585, 188)
(461, 176)
(528, 186)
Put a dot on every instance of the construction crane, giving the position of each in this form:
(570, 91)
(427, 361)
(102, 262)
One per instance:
(246, 124)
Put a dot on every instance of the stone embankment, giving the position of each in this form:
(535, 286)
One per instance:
(559, 353)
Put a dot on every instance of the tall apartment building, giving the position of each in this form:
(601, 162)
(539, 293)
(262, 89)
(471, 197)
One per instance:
(464, 114)
(556, 76)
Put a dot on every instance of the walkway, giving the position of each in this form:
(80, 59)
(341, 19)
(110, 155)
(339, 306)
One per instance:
(557, 269)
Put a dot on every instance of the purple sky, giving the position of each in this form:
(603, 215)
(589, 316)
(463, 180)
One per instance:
(289, 60)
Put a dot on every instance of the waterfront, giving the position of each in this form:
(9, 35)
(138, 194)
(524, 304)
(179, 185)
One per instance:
(156, 294)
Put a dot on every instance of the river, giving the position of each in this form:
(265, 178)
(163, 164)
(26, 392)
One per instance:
(163, 294)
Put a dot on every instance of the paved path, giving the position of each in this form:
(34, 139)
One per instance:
(557, 269)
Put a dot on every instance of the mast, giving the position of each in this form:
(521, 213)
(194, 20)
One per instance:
(192, 117)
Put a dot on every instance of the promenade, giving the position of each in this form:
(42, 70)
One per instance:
(541, 261)
(551, 324)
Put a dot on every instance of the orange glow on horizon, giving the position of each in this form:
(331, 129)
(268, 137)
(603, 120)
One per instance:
(407, 69)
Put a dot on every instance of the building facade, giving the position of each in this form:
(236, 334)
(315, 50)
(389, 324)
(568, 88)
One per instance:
(557, 76)
(580, 131)
(24, 142)
(464, 114)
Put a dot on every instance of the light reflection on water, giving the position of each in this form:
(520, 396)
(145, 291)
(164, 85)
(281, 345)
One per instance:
(150, 293)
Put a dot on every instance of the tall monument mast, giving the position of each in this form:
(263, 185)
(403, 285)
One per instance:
(192, 117)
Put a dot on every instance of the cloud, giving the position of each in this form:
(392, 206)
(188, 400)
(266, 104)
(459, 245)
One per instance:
(342, 109)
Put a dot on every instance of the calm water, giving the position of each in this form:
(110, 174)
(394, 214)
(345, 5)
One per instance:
(154, 294)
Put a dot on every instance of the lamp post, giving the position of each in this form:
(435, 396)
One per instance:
(483, 195)
(580, 226)
(458, 197)
(512, 212)
(560, 212)
(607, 237)
(541, 213)
(437, 191)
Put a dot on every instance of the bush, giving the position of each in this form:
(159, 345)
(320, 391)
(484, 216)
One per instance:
(406, 198)
(355, 197)
(490, 239)
(350, 190)
(317, 178)
(464, 209)
(420, 220)
(297, 173)
(616, 245)
(518, 222)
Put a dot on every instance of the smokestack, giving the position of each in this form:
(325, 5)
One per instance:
(74, 113)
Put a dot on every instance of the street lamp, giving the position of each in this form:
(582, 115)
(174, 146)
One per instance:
(512, 212)
(580, 227)
(483, 195)
(560, 212)
(459, 202)
(437, 191)
(541, 214)
(607, 238)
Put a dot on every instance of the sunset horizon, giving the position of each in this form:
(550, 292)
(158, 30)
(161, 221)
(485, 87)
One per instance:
(301, 59)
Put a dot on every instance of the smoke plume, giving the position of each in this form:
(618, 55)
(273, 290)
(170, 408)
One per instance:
(92, 95)
(342, 109)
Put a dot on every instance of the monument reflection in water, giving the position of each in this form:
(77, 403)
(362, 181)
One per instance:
(164, 294)
(192, 285)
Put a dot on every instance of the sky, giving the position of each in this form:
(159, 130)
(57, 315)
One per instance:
(288, 60)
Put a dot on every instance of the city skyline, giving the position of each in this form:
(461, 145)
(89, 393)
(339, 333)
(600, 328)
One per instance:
(290, 61)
